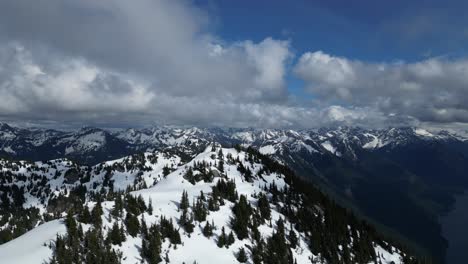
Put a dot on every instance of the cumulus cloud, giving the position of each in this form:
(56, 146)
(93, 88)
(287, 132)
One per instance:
(73, 85)
(432, 90)
(166, 42)
(75, 91)
(139, 60)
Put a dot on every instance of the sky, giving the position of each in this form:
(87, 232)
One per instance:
(285, 64)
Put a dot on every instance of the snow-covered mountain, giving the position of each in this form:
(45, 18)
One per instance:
(225, 205)
(93, 145)
(87, 145)
(369, 170)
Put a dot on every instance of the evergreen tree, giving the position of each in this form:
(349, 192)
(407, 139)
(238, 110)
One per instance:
(241, 255)
(230, 239)
(199, 211)
(132, 223)
(222, 239)
(293, 239)
(240, 221)
(150, 207)
(71, 225)
(221, 165)
(186, 221)
(115, 235)
(96, 214)
(166, 170)
(208, 229)
(220, 154)
(264, 206)
(184, 201)
(213, 204)
(151, 246)
(118, 207)
(84, 216)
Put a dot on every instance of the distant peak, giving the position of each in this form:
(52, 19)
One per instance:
(5, 126)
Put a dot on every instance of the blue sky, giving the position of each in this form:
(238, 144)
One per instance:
(234, 63)
(363, 29)
(366, 30)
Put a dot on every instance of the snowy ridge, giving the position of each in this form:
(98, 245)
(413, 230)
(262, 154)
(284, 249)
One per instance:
(93, 145)
(41, 182)
(161, 180)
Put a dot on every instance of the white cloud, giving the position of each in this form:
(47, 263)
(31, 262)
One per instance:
(269, 58)
(135, 62)
(71, 85)
(130, 58)
(433, 90)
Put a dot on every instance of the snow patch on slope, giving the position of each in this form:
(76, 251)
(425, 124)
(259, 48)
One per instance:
(330, 148)
(269, 149)
(423, 132)
(29, 248)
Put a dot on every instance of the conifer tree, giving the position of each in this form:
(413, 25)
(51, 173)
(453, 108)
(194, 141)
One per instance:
(240, 221)
(184, 202)
(213, 204)
(151, 247)
(241, 256)
(118, 207)
(208, 229)
(96, 215)
(220, 166)
(199, 211)
(71, 225)
(293, 239)
(264, 206)
(150, 207)
(230, 239)
(222, 239)
(132, 223)
(84, 216)
(116, 235)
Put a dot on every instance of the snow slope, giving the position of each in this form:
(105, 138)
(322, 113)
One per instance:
(164, 193)
(30, 248)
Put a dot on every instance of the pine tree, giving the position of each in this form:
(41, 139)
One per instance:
(96, 215)
(150, 207)
(151, 247)
(132, 223)
(230, 239)
(184, 201)
(208, 229)
(84, 216)
(240, 221)
(257, 252)
(118, 207)
(264, 206)
(241, 255)
(221, 165)
(220, 154)
(71, 225)
(166, 170)
(213, 204)
(277, 250)
(293, 240)
(116, 235)
(222, 239)
(189, 176)
(186, 221)
(199, 211)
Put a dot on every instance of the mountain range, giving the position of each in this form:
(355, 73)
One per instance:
(399, 179)
(225, 205)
